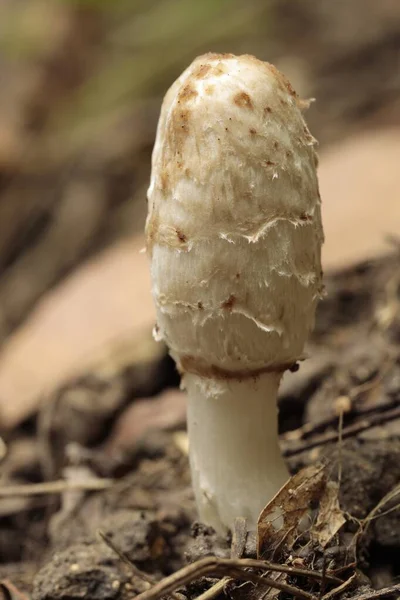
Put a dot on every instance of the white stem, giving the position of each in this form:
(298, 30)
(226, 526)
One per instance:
(235, 459)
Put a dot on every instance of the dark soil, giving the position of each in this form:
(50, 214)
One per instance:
(81, 544)
(61, 201)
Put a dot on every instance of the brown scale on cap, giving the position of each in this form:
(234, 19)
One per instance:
(164, 180)
(305, 217)
(201, 71)
(152, 227)
(181, 236)
(182, 120)
(188, 93)
(207, 70)
(243, 100)
(229, 303)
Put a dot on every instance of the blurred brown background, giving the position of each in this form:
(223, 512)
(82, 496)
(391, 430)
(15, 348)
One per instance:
(81, 84)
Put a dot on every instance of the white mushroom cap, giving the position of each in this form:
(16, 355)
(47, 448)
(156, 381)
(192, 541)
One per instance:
(234, 224)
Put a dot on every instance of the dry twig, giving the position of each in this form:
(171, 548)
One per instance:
(349, 431)
(393, 590)
(54, 487)
(239, 536)
(214, 590)
(233, 568)
(8, 591)
(340, 588)
(125, 558)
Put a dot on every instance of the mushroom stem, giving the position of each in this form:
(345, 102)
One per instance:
(235, 458)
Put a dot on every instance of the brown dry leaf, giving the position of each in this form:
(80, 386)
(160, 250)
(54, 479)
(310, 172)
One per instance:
(349, 196)
(279, 521)
(330, 517)
(104, 302)
(164, 412)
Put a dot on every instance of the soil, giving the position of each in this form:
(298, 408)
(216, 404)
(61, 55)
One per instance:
(136, 524)
(73, 173)
(340, 409)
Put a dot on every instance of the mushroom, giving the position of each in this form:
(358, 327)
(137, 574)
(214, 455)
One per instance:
(234, 233)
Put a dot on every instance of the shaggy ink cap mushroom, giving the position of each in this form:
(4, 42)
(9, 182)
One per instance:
(234, 233)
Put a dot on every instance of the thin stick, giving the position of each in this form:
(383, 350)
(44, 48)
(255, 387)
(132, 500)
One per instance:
(122, 556)
(239, 536)
(323, 582)
(349, 431)
(340, 446)
(340, 588)
(232, 567)
(10, 592)
(374, 514)
(377, 594)
(212, 565)
(254, 563)
(54, 487)
(125, 558)
(268, 582)
(215, 590)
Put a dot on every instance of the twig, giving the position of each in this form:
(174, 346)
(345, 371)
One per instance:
(350, 430)
(239, 537)
(323, 581)
(10, 592)
(269, 566)
(377, 594)
(123, 556)
(340, 446)
(233, 568)
(388, 363)
(54, 487)
(214, 590)
(268, 582)
(340, 588)
(375, 514)
(216, 566)
(311, 429)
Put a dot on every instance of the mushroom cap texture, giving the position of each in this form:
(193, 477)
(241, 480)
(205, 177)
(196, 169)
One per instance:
(234, 225)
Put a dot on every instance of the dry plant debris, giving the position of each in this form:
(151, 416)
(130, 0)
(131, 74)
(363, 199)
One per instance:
(147, 511)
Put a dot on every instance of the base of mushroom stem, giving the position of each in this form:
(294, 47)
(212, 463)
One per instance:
(235, 459)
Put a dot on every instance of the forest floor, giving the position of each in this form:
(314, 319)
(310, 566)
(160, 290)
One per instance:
(111, 522)
(95, 495)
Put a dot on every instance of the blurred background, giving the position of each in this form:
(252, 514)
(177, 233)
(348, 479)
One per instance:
(81, 82)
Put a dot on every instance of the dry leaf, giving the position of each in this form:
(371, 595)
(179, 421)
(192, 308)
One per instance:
(103, 306)
(164, 412)
(280, 519)
(330, 517)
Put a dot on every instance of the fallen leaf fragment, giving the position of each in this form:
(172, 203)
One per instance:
(330, 517)
(280, 520)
